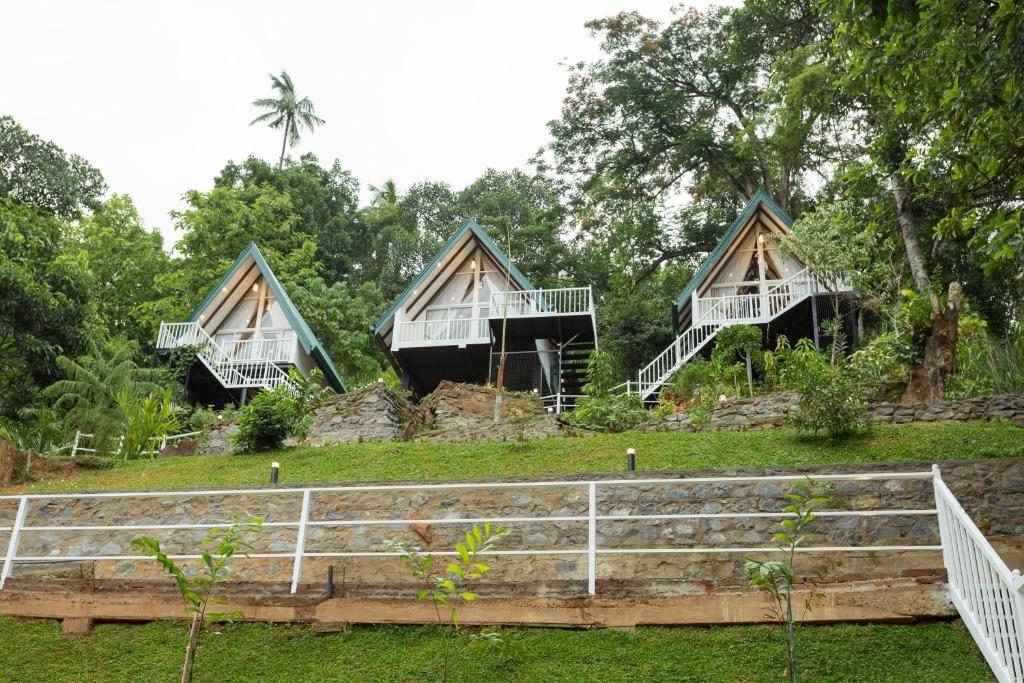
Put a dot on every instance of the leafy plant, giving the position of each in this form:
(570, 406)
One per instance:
(199, 592)
(601, 409)
(453, 586)
(146, 422)
(986, 365)
(88, 399)
(695, 379)
(737, 341)
(776, 577)
(268, 419)
(831, 397)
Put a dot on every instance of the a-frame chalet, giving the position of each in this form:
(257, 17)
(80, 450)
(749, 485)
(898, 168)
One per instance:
(450, 321)
(746, 279)
(247, 334)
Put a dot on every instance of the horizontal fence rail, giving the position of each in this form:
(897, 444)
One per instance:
(591, 550)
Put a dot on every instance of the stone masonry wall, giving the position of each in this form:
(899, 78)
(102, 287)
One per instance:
(470, 406)
(992, 491)
(453, 412)
(771, 410)
(373, 413)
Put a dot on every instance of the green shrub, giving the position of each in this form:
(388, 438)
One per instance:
(146, 422)
(732, 343)
(886, 358)
(599, 408)
(986, 365)
(831, 396)
(696, 378)
(268, 419)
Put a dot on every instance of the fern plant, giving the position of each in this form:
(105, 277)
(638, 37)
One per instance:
(87, 398)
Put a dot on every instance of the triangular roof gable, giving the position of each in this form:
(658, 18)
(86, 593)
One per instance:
(305, 335)
(760, 197)
(469, 226)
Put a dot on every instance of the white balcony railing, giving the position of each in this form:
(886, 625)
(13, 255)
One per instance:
(542, 302)
(451, 331)
(519, 304)
(279, 350)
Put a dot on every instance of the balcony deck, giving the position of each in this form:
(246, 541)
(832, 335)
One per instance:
(538, 314)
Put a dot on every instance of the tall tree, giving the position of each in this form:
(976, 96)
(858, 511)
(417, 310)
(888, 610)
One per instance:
(287, 111)
(385, 195)
(38, 173)
(126, 261)
(46, 308)
(707, 107)
(941, 109)
(324, 204)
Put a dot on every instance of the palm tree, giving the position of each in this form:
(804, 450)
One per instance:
(385, 195)
(287, 111)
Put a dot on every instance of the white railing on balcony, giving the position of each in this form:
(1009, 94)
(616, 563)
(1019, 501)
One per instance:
(280, 350)
(231, 372)
(542, 302)
(451, 331)
(986, 593)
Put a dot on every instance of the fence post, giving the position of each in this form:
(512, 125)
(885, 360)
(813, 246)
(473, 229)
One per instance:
(74, 444)
(12, 543)
(300, 542)
(943, 530)
(592, 541)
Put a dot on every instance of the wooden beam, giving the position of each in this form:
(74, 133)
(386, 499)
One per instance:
(231, 299)
(425, 294)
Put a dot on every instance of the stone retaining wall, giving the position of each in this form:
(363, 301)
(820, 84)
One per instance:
(373, 413)
(992, 491)
(453, 412)
(771, 410)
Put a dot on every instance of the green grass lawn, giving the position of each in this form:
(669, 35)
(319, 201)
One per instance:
(934, 652)
(921, 442)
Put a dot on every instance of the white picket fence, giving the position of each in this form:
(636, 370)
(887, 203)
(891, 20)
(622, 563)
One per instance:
(988, 596)
(986, 593)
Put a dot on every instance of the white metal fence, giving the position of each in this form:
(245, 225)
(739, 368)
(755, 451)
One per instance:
(156, 445)
(232, 372)
(985, 592)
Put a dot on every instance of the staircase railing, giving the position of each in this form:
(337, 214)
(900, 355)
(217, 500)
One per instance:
(713, 314)
(986, 593)
(229, 370)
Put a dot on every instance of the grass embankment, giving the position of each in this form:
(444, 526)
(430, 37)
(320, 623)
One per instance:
(655, 451)
(934, 652)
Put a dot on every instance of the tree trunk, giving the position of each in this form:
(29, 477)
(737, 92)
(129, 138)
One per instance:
(928, 380)
(284, 142)
(915, 256)
(190, 649)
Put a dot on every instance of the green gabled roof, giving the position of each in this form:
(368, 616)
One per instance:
(469, 226)
(306, 337)
(760, 197)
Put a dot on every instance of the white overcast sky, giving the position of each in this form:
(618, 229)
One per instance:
(158, 95)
